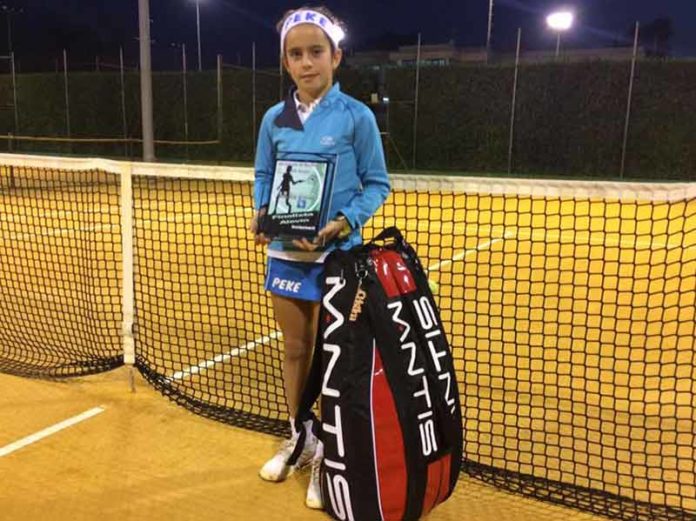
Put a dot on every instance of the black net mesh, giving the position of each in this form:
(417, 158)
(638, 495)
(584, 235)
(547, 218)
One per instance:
(570, 311)
(60, 271)
(204, 330)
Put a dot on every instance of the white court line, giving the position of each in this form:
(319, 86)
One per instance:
(33, 438)
(588, 238)
(195, 369)
(468, 252)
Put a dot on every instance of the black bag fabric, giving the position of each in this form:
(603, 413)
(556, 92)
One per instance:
(391, 419)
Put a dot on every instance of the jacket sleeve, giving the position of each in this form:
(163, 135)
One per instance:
(264, 164)
(372, 170)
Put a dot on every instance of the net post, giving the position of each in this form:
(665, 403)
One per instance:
(128, 302)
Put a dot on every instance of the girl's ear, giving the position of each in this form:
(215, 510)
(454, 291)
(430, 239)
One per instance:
(336, 58)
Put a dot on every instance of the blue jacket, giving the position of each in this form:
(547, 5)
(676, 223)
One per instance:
(339, 125)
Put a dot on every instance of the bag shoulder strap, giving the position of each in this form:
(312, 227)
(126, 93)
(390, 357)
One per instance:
(310, 394)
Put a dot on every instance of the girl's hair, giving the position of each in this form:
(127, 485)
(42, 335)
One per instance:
(319, 9)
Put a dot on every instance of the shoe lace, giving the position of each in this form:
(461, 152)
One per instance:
(287, 446)
(316, 468)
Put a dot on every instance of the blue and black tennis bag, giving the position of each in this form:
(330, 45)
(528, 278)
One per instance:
(390, 414)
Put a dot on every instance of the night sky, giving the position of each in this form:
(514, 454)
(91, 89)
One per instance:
(91, 27)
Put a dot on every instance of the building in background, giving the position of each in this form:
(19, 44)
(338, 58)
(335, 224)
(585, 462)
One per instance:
(448, 54)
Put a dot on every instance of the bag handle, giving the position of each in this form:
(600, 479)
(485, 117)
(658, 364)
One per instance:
(394, 233)
(389, 233)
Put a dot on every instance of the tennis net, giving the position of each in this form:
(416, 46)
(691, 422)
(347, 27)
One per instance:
(570, 309)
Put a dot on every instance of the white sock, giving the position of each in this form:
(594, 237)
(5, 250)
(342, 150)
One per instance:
(319, 453)
(308, 426)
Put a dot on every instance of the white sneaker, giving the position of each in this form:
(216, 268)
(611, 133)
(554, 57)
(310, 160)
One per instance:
(314, 499)
(277, 468)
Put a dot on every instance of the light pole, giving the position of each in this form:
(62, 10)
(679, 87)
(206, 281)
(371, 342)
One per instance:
(146, 81)
(198, 31)
(560, 21)
(490, 29)
(9, 12)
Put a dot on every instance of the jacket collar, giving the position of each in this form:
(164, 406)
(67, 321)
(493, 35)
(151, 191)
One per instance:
(288, 117)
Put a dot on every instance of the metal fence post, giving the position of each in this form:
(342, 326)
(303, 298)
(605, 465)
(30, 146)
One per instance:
(630, 100)
(183, 79)
(14, 94)
(490, 31)
(253, 97)
(514, 101)
(219, 98)
(67, 93)
(415, 107)
(124, 119)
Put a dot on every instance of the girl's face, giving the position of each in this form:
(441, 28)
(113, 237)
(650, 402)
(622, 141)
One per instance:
(309, 60)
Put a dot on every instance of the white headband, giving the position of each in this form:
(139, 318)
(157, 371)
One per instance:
(307, 16)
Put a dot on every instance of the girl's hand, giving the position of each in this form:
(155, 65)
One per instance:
(337, 227)
(259, 238)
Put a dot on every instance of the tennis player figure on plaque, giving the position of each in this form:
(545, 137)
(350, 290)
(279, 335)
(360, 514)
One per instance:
(300, 196)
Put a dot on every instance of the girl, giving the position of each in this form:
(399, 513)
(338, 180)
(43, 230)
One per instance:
(316, 117)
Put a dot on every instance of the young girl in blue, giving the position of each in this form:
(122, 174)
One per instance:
(316, 117)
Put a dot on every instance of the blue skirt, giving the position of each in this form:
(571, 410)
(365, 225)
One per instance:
(300, 280)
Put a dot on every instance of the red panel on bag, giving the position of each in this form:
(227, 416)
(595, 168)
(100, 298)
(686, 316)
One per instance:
(393, 273)
(404, 279)
(438, 483)
(445, 478)
(389, 445)
(384, 274)
(432, 487)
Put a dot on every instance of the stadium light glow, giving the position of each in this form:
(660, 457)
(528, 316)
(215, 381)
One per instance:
(560, 20)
